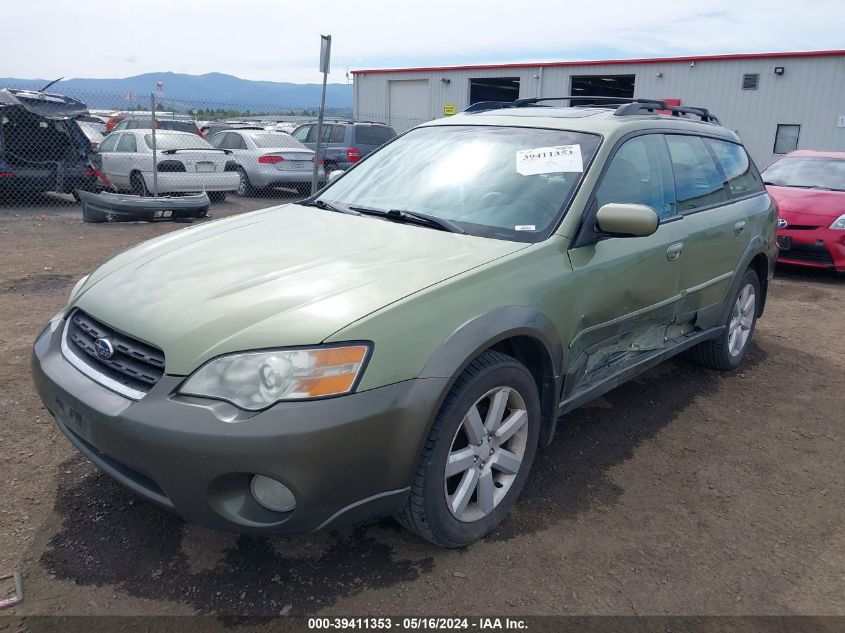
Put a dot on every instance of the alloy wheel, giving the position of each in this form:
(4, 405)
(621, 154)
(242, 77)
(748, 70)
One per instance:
(742, 319)
(486, 454)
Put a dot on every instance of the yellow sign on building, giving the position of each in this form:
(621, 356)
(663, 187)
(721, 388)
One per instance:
(449, 109)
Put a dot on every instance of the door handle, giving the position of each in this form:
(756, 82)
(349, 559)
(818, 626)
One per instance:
(739, 227)
(674, 251)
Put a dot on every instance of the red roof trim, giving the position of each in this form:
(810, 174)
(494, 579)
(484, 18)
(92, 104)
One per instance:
(604, 62)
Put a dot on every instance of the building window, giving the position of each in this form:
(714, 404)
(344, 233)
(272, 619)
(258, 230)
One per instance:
(750, 81)
(493, 89)
(786, 138)
(601, 86)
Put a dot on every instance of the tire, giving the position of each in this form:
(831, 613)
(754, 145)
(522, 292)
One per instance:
(727, 351)
(448, 510)
(217, 196)
(245, 188)
(303, 189)
(138, 184)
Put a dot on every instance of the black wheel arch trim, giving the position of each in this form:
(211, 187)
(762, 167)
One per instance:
(493, 328)
(756, 247)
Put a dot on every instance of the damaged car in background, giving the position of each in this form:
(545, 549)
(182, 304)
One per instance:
(42, 147)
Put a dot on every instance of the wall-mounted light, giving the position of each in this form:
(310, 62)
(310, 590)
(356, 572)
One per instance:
(445, 80)
(779, 70)
(692, 64)
(659, 75)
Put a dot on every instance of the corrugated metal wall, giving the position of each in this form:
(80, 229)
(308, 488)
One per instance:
(811, 93)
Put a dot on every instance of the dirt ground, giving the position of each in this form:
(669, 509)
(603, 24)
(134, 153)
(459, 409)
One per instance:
(686, 491)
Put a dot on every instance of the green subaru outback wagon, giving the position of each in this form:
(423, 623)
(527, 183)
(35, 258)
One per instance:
(403, 342)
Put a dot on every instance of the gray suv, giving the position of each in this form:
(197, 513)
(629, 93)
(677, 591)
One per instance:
(344, 142)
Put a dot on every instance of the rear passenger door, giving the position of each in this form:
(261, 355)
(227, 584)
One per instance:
(719, 192)
(126, 159)
(626, 289)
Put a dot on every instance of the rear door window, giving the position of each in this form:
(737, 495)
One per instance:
(127, 143)
(698, 182)
(738, 170)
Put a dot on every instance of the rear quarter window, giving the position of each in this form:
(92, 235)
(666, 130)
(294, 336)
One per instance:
(739, 171)
(373, 134)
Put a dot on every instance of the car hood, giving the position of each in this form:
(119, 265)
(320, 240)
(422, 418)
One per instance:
(289, 275)
(808, 201)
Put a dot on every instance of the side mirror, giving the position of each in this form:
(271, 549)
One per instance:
(627, 220)
(337, 173)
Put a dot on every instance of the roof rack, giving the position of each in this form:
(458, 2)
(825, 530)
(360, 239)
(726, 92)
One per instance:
(625, 106)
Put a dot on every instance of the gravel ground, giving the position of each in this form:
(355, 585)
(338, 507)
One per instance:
(686, 491)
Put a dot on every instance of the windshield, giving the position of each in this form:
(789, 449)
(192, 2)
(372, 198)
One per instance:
(503, 182)
(828, 173)
(179, 140)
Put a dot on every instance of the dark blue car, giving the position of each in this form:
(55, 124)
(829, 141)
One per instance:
(42, 148)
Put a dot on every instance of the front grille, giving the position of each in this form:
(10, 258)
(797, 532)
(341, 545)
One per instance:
(813, 253)
(133, 364)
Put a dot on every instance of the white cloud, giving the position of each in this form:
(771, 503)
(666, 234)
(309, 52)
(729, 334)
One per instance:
(279, 41)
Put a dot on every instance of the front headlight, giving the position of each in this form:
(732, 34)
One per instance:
(839, 224)
(256, 380)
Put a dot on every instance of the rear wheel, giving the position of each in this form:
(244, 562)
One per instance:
(727, 351)
(217, 196)
(477, 456)
(245, 188)
(138, 184)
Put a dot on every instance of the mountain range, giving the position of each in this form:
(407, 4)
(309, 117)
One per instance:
(182, 91)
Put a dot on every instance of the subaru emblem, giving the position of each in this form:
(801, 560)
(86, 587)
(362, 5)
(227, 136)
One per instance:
(782, 224)
(104, 348)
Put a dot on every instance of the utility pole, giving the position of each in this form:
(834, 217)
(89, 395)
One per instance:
(325, 55)
(155, 155)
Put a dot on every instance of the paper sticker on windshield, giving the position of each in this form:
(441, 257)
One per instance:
(549, 160)
(525, 227)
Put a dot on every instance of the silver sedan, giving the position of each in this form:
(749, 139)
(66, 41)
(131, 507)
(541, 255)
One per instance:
(268, 159)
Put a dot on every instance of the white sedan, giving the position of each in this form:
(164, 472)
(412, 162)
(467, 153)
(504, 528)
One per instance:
(185, 163)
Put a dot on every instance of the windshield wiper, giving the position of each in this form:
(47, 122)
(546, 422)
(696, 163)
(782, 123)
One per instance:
(322, 204)
(413, 217)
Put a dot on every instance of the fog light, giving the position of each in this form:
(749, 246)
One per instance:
(272, 494)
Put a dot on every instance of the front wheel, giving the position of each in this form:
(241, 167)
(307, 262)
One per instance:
(727, 351)
(478, 454)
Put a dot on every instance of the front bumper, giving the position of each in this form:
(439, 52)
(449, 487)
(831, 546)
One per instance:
(345, 458)
(817, 248)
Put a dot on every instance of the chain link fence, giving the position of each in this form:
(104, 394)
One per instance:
(58, 148)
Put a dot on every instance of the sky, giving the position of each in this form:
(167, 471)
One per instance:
(278, 40)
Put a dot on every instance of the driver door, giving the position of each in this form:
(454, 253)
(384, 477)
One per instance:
(626, 289)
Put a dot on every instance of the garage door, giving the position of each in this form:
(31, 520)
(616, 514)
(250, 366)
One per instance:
(408, 103)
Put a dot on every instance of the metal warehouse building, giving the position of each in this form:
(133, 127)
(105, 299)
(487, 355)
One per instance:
(776, 102)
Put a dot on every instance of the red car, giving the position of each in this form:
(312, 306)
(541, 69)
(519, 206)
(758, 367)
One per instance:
(809, 189)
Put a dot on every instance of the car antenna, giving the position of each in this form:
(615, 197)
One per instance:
(55, 81)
